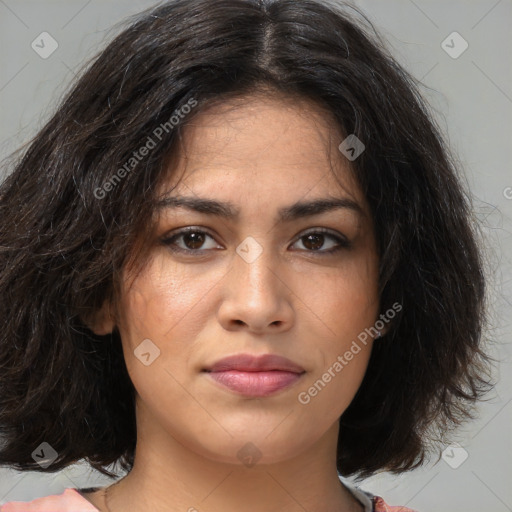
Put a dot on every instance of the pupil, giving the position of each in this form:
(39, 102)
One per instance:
(319, 239)
(196, 239)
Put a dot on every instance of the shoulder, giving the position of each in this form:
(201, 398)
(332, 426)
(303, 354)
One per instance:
(69, 501)
(379, 505)
(370, 501)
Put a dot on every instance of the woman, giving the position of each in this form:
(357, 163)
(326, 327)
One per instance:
(238, 261)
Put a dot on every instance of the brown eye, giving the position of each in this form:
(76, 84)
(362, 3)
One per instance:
(190, 240)
(315, 240)
(193, 240)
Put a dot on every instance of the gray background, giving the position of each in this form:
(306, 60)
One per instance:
(472, 99)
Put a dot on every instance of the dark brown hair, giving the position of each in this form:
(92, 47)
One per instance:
(65, 238)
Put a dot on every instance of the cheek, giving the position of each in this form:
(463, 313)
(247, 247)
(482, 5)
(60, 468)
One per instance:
(162, 299)
(345, 301)
(161, 305)
(328, 392)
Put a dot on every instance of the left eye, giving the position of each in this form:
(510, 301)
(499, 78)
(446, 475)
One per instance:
(192, 241)
(315, 239)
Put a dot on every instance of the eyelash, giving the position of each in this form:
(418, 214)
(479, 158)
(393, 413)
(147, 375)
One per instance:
(343, 243)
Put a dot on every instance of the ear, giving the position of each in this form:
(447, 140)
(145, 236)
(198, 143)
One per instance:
(101, 321)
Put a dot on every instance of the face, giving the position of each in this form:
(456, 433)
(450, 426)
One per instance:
(265, 279)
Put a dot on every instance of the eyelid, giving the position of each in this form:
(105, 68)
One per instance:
(323, 231)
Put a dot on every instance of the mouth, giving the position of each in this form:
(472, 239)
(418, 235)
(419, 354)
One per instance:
(255, 376)
(255, 384)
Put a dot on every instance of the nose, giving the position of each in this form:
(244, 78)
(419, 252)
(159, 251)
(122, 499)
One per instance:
(256, 296)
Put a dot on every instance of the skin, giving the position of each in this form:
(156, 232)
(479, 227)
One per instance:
(261, 154)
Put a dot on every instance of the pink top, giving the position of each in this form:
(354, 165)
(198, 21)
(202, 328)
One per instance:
(69, 501)
(72, 501)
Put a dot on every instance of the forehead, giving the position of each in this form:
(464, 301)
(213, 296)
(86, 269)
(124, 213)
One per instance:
(263, 146)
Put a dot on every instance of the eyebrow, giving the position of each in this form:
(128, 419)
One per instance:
(229, 211)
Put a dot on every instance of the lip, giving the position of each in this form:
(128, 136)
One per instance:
(255, 376)
(249, 363)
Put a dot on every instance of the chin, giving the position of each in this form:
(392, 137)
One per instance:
(249, 450)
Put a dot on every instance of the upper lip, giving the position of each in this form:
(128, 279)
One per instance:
(249, 363)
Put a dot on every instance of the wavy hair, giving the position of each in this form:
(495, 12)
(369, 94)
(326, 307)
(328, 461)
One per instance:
(68, 227)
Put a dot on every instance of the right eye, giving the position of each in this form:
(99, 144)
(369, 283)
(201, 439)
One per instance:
(191, 238)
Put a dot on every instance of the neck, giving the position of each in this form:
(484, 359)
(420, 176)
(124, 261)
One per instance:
(169, 476)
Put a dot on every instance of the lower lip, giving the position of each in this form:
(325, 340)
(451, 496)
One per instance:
(255, 383)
